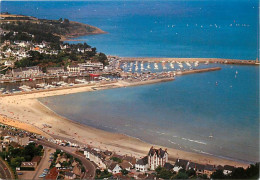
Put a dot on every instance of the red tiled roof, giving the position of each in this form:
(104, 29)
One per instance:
(53, 174)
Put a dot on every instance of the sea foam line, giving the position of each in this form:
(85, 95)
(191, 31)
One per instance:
(196, 141)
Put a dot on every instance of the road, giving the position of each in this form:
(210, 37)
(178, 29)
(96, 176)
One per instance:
(44, 164)
(86, 163)
(5, 173)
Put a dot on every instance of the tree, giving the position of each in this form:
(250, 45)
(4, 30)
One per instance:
(16, 162)
(191, 172)
(239, 173)
(181, 175)
(218, 174)
(116, 159)
(163, 173)
(124, 172)
(252, 171)
(98, 171)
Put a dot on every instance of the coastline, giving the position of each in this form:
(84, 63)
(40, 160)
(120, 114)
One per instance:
(71, 38)
(27, 110)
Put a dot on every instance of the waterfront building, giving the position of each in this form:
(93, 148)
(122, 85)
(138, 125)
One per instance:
(26, 72)
(126, 165)
(142, 164)
(209, 169)
(157, 157)
(73, 68)
(198, 168)
(91, 66)
(55, 70)
(94, 156)
(180, 164)
(114, 168)
(228, 169)
(168, 166)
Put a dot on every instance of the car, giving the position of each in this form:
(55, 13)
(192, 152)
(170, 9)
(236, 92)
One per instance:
(20, 173)
(42, 176)
(5, 168)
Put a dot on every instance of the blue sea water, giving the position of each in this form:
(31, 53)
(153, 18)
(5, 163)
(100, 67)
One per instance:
(211, 28)
(185, 112)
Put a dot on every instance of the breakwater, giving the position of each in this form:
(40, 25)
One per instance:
(201, 60)
(198, 70)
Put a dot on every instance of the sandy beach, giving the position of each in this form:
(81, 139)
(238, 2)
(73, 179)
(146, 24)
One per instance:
(26, 112)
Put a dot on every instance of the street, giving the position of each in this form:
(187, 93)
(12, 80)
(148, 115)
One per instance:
(4, 171)
(90, 168)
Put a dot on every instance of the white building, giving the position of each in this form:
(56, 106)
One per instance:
(73, 68)
(157, 157)
(94, 156)
(114, 168)
(92, 65)
(228, 169)
(142, 164)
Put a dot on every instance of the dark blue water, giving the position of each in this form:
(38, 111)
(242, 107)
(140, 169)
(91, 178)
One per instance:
(184, 113)
(222, 29)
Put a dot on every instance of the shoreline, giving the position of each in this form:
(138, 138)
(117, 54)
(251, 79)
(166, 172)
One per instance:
(21, 104)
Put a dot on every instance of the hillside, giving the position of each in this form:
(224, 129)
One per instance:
(63, 27)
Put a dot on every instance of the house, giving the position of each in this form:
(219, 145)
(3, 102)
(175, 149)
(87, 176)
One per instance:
(219, 167)
(168, 166)
(26, 72)
(77, 170)
(58, 165)
(199, 168)
(55, 70)
(108, 153)
(114, 168)
(91, 66)
(70, 175)
(130, 159)
(228, 169)
(94, 156)
(157, 157)
(36, 159)
(180, 164)
(28, 165)
(145, 176)
(209, 169)
(142, 164)
(126, 165)
(8, 63)
(73, 68)
(74, 163)
(53, 174)
(23, 141)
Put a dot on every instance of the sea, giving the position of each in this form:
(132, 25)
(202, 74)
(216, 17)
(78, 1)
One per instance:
(215, 113)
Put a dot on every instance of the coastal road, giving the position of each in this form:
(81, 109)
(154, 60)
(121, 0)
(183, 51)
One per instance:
(86, 163)
(5, 172)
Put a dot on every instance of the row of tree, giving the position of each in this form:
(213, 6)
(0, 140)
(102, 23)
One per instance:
(15, 156)
(252, 172)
